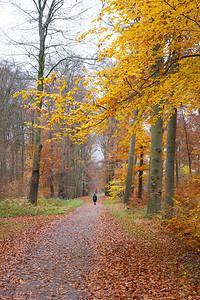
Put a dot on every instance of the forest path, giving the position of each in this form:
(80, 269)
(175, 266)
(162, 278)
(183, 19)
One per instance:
(56, 264)
(86, 254)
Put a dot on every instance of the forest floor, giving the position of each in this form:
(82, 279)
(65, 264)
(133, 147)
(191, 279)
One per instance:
(86, 254)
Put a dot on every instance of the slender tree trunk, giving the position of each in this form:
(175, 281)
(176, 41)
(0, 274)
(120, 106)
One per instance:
(61, 192)
(23, 154)
(129, 176)
(109, 174)
(51, 185)
(81, 184)
(50, 179)
(17, 161)
(169, 167)
(3, 170)
(12, 169)
(140, 181)
(177, 169)
(187, 144)
(109, 177)
(107, 186)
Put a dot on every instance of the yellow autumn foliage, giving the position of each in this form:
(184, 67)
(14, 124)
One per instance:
(116, 189)
(186, 220)
(138, 27)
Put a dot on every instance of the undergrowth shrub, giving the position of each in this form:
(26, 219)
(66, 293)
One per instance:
(186, 220)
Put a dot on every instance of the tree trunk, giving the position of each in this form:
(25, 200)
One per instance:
(23, 154)
(140, 181)
(109, 174)
(187, 144)
(155, 168)
(35, 175)
(34, 185)
(155, 164)
(129, 176)
(169, 167)
(61, 192)
(130, 170)
(12, 169)
(3, 170)
(17, 161)
(177, 169)
(51, 184)
(109, 177)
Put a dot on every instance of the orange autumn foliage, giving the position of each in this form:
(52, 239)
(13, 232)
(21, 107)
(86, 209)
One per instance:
(186, 220)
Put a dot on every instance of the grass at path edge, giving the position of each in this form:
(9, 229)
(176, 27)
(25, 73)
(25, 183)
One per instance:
(16, 215)
(45, 207)
(133, 221)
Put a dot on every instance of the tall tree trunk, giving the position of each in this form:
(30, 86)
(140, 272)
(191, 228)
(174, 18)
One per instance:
(50, 179)
(177, 169)
(3, 169)
(17, 161)
(35, 175)
(109, 178)
(12, 169)
(34, 185)
(169, 167)
(61, 192)
(155, 164)
(22, 154)
(140, 181)
(129, 176)
(187, 144)
(155, 168)
(109, 173)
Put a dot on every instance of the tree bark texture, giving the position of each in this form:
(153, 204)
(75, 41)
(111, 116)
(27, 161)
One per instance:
(169, 167)
(35, 175)
(155, 168)
(129, 176)
(155, 164)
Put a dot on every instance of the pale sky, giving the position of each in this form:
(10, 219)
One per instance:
(13, 24)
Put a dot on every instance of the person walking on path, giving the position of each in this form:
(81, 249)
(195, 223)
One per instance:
(94, 198)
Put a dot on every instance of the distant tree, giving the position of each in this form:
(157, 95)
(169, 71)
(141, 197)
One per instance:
(12, 127)
(50, 45)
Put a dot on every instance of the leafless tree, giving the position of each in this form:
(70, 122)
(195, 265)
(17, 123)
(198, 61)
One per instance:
(50, 28)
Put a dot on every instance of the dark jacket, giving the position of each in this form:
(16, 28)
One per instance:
(94, 197)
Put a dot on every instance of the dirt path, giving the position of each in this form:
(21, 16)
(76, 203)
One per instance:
(57, 264)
